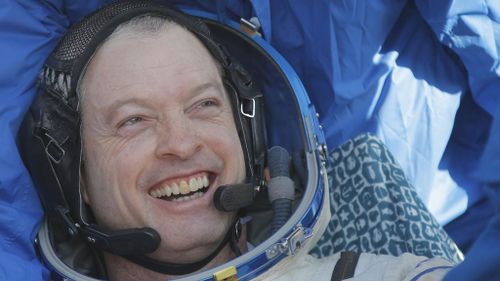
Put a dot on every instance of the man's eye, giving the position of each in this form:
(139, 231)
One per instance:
(131, 121)
(208, 103)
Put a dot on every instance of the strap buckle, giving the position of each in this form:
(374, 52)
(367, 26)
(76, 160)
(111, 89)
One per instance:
(53, 150)
(252, 111)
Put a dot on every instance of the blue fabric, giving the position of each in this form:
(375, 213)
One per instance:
(489, 167)
(483, 259)
(475, 219)
(471, 29)
(481, 262)
(29, 30)
(376, 66)
(402, 84)
(404, 71)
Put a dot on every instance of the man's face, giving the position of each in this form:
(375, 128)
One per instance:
(156, 121)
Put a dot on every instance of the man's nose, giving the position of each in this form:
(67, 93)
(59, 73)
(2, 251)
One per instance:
(177, 139)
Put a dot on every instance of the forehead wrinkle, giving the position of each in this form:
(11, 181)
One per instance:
(207, 86)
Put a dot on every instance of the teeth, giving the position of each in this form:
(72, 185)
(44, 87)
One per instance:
(183, 187)
(159, 192)
(169, 190)
(187, 198)
(175, 189)
(156, 193)
(180, 199)
(193, 184)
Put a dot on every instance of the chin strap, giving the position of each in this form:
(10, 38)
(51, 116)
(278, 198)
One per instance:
(232, 236)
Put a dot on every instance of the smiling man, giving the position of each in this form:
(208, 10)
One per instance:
(159, 135)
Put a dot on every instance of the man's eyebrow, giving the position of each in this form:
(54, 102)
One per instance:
(119, 103)
(206, 86)
(140, 101)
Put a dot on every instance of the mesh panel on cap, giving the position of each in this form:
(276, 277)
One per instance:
(75, 42)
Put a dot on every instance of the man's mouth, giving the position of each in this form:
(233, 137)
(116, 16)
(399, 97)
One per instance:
(182, 189)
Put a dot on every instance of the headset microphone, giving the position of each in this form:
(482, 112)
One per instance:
(233, 197)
